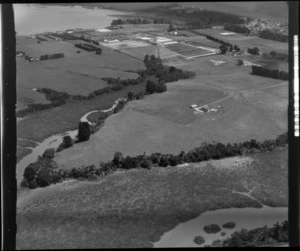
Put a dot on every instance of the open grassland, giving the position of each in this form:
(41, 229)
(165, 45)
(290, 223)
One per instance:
(35, 50)
(165, 123)
(26, 96)
(130, 209)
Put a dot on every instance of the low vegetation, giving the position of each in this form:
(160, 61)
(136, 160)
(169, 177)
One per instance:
(212, 229)
(199, 240)
(229, 225)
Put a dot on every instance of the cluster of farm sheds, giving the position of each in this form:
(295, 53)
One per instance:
(206, 109)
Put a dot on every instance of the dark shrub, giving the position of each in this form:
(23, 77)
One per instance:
(118, 158)
(130, 95)
(49, 153)
(160, 88)
(84, 131)
(223, 234)
(229, 225)
(67, 141)
(30, 172)
(163, 162)
(199, 240)
(44, 177)
(145, 164)
(212, 229)
(150, 87)
(32, 184)
(217, 243)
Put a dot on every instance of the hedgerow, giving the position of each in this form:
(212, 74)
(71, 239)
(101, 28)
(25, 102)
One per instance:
(205, 152)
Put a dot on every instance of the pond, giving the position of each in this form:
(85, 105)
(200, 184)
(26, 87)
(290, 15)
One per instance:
(248, 218)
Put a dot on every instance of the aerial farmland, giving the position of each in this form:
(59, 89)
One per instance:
(131, 127)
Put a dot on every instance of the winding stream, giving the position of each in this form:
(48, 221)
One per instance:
(53, 142)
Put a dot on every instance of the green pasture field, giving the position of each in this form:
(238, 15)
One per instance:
(60, 119)
(166, 123)
(80, 74)
(35, 50)
(26, 96)
(132, 209)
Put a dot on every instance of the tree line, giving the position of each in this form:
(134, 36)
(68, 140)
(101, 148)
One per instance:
(273, 35)
(52, 56)
(204, 152)
(237, 28)
(225, 46)
(120, 21)
(88, 47)
(270, 73)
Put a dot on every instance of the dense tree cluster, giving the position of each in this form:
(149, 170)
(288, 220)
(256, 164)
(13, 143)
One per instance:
(253, 51)
(52, 56)
(270, 73)
(263, 236)
(272, 35)
(203, 153)
(84, 131)
(237, 28)
(164, 73)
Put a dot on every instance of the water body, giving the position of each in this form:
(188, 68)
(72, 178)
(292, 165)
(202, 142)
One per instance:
(33, 18)
(248, 218)
(51, 142)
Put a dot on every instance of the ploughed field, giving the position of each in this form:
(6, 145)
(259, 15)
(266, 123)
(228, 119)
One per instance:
(129, 209)
(186, 50)
(165, 122)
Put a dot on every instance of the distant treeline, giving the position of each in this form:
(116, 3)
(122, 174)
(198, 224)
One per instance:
(140, 21)
(266, 34)
(235, 47)
(237, 28)
(52, 56)
(44, 171)
(265, 72)
(272, 35)
(89, 47)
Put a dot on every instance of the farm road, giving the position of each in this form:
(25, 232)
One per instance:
(257, 89)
